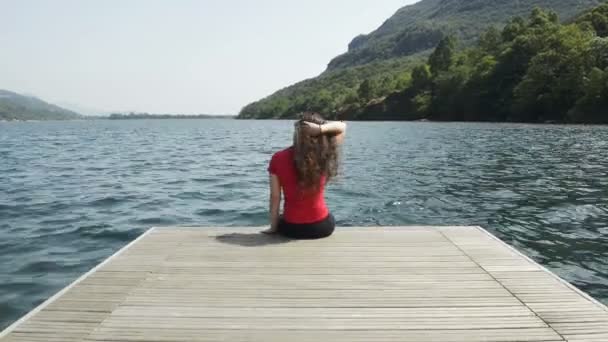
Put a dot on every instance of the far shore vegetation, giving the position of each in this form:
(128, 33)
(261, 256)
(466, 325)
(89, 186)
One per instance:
(147, 116)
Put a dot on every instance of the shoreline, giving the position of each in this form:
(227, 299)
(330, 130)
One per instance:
(548, 123)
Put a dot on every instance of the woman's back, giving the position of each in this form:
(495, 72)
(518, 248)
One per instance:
(300, 173)
(301, 206)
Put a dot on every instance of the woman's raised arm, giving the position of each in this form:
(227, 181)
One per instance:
(336, 128)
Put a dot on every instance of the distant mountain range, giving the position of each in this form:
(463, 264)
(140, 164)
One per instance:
(387, 55)
(14, 106)
(19, 107)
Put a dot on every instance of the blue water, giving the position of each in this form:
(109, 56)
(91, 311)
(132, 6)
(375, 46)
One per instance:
(72, 193)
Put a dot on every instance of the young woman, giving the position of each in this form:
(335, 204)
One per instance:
(300, 173)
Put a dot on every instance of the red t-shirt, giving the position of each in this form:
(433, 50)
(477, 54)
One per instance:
(300, 207)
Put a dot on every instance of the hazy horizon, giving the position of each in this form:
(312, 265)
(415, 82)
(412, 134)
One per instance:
(185, 56)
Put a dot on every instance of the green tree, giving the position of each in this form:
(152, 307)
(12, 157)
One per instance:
(552, 83)
(513, 29)
(322, 102)
(479, 94)
(421, 77)
(403, 81)
(386, 85)
(490, 41)
(441, 59)
(600, 23)
(421, 104)
(448, 102)
(367, 90)
(540, 18)
(596, 19)
(591, 108)
(598, 52)
(350, 96)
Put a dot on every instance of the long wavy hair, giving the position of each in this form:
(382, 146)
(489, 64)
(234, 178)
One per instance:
(314, 156)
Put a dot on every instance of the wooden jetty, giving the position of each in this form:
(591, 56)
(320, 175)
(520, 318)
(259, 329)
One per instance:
(362, 284)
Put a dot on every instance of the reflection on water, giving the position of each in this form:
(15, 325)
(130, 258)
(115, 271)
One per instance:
(71, 193)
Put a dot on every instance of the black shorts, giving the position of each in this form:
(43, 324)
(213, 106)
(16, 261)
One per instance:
(309, 231)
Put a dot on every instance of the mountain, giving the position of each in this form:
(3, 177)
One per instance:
(385, 56)
(535, 70)
(14, 106)
(421, 26)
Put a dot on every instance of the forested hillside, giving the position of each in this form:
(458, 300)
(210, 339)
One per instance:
(533, 70)
(380, 64)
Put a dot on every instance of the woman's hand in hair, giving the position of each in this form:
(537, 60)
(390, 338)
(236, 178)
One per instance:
(311, 129)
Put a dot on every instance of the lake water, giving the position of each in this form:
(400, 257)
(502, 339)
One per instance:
(72, 193)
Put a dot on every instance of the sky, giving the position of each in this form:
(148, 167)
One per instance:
(174, 56)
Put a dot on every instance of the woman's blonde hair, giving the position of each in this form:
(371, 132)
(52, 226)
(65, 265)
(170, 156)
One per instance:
(315, 156)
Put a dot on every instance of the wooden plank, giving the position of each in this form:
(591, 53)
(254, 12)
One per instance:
(277, 335)
(569, 311)
(406, 313)
(75, 311)
(363, 284)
